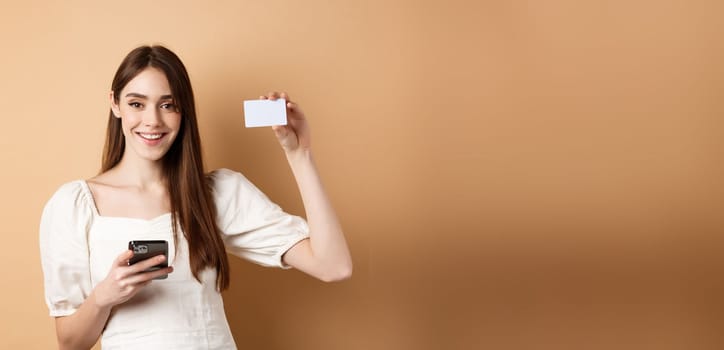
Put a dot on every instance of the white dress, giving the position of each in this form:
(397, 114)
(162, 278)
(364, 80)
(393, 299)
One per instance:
(78, 247)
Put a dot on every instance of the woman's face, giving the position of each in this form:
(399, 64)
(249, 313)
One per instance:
(148, 113)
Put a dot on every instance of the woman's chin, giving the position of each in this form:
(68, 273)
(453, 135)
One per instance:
(151, 156)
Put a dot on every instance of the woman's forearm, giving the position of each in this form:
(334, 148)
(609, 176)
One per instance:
(327, 240)
(82, 329)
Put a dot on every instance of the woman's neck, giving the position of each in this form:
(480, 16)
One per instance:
(141, 173)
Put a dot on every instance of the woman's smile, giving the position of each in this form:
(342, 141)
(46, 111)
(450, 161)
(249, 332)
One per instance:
(150, 139)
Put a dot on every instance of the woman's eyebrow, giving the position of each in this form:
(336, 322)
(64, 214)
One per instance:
(137, 95)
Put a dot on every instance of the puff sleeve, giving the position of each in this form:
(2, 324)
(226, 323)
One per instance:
(64, 249)
(254, 228)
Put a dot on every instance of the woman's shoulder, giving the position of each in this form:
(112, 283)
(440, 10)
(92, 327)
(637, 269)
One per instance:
(65, 219)
(222, 172)
(224, 176)
(72, 194)
(69, 190)
(226, 182)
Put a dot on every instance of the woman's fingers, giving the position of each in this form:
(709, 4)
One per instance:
(273, 95)
(142, 278)
(297, 112)
(122, 259)
(161, 272)
(146, 264)
(123, 281)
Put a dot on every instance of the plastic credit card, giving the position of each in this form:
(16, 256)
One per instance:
(265, 113)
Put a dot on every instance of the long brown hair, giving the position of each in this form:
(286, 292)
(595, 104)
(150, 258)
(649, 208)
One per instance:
(189, 189)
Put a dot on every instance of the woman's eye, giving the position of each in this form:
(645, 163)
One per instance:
(170, 107)
(135, 104)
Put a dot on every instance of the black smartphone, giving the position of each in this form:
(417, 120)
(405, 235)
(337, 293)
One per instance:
(143, 250)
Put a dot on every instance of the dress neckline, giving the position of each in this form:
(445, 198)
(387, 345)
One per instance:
(97, 213)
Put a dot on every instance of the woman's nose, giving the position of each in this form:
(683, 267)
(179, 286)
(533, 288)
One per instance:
(152, 117)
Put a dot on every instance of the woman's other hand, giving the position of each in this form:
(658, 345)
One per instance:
(294, 136)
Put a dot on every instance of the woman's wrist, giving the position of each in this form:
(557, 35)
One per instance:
(98, 303)
(298, 155)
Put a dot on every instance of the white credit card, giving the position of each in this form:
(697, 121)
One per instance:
(265, 113)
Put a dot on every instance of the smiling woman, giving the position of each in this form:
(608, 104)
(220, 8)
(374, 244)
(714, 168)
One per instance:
(150, 119)
(152, 186)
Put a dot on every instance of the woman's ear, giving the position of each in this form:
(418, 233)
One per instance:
(114, 106)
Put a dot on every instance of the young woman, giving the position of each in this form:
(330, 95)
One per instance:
(152, 186)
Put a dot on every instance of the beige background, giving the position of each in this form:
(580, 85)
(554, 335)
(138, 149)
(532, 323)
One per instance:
(510, 174)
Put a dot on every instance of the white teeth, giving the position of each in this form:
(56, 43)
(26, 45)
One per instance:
(151, 136)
